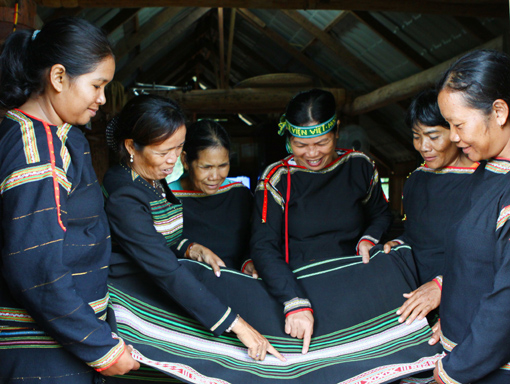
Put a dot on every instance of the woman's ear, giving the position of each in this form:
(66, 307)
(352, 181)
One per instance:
(183, 160)
(130, 146)
(58, 76)
(500, 108)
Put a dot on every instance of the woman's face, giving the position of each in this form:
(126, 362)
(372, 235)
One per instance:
(210, 170)
(80, 98)
(157, 161)
(480, 136)
(435, 146)
(314, 153)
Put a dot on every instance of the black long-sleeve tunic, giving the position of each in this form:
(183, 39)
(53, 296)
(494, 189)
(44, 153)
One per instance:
(221, 222)
(329, 212)
(55, 245)
(145, 225)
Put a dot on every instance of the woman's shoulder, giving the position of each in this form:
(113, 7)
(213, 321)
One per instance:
(120, 178)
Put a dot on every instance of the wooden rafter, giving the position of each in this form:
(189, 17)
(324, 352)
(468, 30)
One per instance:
(125, 45)
(473, 8)
(475, 28)
(120, 19)
(174, 31)
(179, 55)
(278, 39)
(392, 39)
(328, 28)
(343, 54)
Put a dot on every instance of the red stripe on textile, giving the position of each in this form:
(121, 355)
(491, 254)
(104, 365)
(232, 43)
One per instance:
(54, 173)
(287, 198)
(266, 180)
(298, 310)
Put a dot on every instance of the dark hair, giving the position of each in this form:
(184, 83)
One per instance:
(147, 120)
(202, 135)
(482, 76)
(27, 55)
(425, 110)
(315, 105)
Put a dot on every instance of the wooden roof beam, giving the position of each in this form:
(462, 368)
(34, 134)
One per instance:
(472, 8)
(244, 100)
(278, 39)
(392, 39)
(174, 31)
(336, 47)
(408, 87)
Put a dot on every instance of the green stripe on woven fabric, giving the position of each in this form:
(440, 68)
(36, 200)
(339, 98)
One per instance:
(299, 368)
(174, 322)
(340, 267)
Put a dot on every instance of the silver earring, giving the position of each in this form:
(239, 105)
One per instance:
(131, 158)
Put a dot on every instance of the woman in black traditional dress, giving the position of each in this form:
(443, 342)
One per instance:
(318, 203)
(146, 221)
(430, 199)
(208, 197)
(55, 240)
(474, 97)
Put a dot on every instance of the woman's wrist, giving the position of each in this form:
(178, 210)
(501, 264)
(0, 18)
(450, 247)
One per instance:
(233, 325)
(187, 254)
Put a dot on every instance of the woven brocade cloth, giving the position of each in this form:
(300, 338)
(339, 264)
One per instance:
(357, 337)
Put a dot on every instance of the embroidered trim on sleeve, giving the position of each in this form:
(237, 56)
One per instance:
(220, 321)
(296, 303)
(110, 358)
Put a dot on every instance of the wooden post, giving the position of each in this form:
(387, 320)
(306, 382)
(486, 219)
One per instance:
(230, 43)
(222, 48)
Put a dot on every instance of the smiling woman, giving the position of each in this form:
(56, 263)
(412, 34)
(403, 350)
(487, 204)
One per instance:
(55, 241)
(430, 200)
(207, 195)
(474, 97)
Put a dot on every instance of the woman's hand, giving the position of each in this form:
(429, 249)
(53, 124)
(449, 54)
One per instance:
(436, 335)
(257, 344)
(200, 253)
(249, 269)
(300, 325)
(390, 244)
(364, 248)
(420, 302)
(125, 364)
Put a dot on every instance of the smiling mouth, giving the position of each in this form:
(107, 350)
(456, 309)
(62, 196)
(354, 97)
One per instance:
(314, 163)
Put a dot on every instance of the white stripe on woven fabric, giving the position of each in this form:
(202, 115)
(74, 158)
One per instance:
(124, 316)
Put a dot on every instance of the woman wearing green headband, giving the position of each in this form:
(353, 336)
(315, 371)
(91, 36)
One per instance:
(318, 203)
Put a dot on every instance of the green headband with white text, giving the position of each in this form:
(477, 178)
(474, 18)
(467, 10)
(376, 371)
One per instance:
(305, 132)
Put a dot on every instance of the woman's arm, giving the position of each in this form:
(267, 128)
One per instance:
(35, 260)
(129, 214)
(485, 347)
(267, 247)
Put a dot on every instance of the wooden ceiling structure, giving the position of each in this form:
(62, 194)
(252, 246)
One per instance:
(373, 54)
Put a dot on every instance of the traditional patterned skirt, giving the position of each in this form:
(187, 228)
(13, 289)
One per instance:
(30, 356)
(357, 337)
